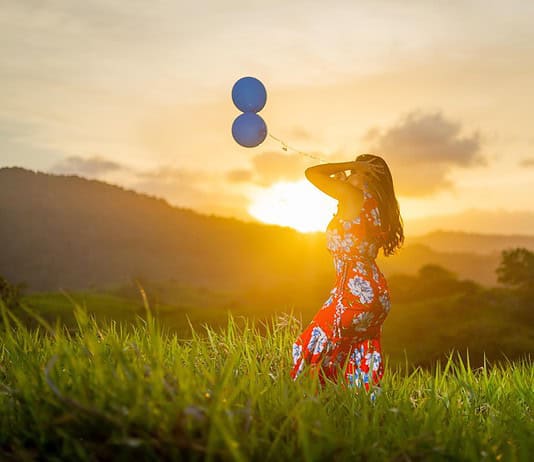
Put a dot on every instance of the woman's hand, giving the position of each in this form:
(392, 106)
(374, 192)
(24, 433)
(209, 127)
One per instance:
(368, 168)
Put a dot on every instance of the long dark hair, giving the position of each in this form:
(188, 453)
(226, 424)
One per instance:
(383, 191)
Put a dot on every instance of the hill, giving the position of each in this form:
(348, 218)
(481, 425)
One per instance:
(68, 232)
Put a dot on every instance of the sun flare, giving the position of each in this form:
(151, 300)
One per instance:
(298, 205)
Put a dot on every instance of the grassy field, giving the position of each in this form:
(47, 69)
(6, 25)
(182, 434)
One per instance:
(112, 391)
(420, 331)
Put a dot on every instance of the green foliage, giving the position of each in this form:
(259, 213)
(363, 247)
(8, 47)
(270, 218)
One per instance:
(11, 294)
(107, 392)
(435, 273)
(516, 269)
(431, 281)
(492, 322)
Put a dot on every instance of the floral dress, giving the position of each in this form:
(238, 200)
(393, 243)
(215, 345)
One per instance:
(344, 336)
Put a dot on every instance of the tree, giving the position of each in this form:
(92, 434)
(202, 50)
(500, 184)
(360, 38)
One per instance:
(435, 281)
(435, 273)
(516, 268)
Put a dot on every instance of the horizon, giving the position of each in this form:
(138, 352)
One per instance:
(423, 233)
(140, 98)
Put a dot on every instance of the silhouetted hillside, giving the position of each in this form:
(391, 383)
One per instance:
(73, 233)
(69, 232)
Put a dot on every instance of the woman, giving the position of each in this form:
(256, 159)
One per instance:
(343, 338)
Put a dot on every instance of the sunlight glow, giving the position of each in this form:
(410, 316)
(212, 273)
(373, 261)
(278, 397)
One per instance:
(299, 205)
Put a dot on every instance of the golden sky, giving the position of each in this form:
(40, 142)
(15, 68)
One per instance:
(139, 94)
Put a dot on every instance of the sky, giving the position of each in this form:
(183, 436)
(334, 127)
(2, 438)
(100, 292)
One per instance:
(139, 94)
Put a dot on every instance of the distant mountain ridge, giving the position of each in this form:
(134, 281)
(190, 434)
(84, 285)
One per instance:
(69, 232)
(498, 222)
(461, 241)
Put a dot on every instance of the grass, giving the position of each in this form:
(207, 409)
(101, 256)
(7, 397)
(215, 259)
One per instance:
(116, 391)
(490, 325)
(196, 305)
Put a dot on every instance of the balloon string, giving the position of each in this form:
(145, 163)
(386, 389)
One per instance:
(285, 147)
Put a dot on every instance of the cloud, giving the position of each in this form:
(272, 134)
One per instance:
(421, 149)
(526, 162)
(239, 176)
(176, 175)
(199, 190)
(301, 133)
(90, 166)
(271, 167)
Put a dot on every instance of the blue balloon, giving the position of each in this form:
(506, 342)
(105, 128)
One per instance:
(249, 94)
(249, 129)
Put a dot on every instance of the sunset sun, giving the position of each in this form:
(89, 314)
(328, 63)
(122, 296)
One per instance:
(298, 205)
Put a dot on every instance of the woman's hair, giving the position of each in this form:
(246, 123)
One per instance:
(382, 189)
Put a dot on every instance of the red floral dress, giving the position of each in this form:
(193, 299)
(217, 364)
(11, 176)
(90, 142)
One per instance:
(344, 336)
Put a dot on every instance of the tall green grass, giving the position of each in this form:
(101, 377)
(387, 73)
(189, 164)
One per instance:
(112, 391)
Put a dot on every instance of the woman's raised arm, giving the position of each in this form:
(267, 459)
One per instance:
(319, 176)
